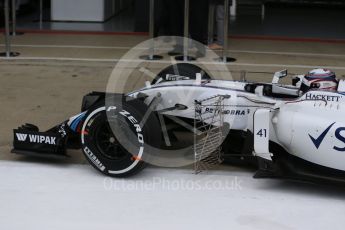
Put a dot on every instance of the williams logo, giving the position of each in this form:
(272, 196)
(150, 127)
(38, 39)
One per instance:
(39, 139)
(317, 141)
(21, 137)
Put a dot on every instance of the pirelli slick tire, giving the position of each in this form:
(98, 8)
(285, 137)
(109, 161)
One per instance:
(113, 139)
(186, 70)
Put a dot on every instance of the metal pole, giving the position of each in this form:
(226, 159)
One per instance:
(263, 11)
(41, 14)
(226, 30)
(185, 56)
(152, 56)
(211, 22)
(8, 52)
(7, 29)
(151, 29)
(186, 30)
(14, 17)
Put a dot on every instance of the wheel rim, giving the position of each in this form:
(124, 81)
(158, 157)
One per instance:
(107, 144)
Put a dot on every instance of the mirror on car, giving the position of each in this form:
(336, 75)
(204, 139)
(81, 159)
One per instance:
(278, 75)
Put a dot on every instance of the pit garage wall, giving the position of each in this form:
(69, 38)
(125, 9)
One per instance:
(86, 10)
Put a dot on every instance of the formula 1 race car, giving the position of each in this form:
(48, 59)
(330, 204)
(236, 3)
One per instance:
(289, 131)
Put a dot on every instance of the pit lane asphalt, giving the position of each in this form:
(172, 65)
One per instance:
(58, 196)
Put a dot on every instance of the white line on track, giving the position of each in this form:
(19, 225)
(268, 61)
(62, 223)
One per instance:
(169, 62)
(128, 48)
(70, 46)
(288, 53)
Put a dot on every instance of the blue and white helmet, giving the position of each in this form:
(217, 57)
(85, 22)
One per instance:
(322, 79)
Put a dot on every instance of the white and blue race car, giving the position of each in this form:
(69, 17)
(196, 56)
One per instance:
(288, 131)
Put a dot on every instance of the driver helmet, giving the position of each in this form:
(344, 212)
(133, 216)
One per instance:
(321, 79)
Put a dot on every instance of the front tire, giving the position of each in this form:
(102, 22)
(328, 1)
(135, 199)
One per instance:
(113, 140)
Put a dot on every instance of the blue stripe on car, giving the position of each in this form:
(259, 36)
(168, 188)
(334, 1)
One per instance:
(76, 122)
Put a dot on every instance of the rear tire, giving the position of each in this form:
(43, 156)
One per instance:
(181, 69)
